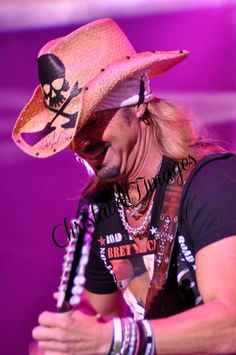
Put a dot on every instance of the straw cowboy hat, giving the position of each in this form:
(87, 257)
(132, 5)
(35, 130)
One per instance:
(76, 73)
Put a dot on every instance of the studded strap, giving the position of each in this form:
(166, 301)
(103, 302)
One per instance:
(167, 229)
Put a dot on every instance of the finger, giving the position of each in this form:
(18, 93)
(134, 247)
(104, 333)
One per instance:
(98, 316)
(54, 346)
(101, 319)
(55, 295)
(46, 334)
(50, 319)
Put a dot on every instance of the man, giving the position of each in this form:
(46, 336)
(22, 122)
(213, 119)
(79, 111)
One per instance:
(154, 180)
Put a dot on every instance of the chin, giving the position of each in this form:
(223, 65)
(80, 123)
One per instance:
(108, 173)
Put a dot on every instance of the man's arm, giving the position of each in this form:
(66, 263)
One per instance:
(206, 329)
(211, 327)
(108, 305)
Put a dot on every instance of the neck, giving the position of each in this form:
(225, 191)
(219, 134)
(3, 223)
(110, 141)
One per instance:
(147, 158)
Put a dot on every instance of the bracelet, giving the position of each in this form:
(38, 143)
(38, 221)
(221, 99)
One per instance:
(150, 345)
(126, 322)
(117, 336)
(142, 339)
(132, 338)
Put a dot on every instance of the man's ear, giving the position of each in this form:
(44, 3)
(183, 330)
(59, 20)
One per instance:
(140, 110)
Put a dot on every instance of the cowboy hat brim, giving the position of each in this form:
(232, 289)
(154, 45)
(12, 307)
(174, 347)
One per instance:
(40, 132)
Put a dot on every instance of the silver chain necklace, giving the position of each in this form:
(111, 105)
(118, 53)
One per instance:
(134, 232)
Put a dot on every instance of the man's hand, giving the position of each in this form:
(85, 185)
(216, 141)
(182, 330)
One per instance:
(73, 333)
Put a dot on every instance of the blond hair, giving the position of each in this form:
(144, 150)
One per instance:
(172, 127)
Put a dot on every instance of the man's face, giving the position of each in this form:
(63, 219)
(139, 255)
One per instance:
(109, 142)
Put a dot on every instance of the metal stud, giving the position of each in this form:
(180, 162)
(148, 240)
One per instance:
(176, 219)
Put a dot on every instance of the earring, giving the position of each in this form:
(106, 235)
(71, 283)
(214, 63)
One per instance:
(144, 118)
